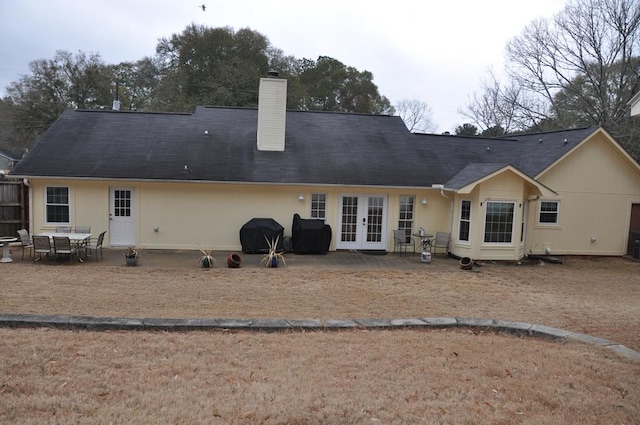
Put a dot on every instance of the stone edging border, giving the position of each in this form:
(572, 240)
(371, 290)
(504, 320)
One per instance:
(160, 324)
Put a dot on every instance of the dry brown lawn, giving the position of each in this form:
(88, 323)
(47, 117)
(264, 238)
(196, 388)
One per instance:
(358, 376)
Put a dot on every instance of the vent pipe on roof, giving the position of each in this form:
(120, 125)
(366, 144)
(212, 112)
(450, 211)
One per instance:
(116, 101)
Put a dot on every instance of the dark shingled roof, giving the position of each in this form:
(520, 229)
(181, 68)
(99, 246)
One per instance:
(321, 148)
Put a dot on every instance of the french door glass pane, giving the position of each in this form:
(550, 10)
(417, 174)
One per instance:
(349, 218)
(374, 219)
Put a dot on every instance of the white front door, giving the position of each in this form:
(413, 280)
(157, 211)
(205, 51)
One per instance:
(362, 222)
(122, 226)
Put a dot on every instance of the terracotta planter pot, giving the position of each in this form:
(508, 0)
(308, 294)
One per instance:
(466, 263)
(233, 261)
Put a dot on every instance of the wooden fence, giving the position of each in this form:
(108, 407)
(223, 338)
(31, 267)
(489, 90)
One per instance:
(14, 207)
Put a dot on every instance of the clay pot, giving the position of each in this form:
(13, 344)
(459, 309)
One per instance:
(466, 263)
(233, 261)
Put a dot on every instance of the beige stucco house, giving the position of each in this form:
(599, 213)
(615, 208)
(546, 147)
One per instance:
(184, 181)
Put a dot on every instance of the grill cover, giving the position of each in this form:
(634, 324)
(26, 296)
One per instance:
(310, 236)
(253, 232)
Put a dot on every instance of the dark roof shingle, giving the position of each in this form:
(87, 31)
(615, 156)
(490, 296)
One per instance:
(322, 148)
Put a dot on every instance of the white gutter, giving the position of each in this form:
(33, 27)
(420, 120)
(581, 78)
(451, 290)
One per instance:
(442, 189)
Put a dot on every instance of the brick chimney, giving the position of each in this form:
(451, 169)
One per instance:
(272, 107)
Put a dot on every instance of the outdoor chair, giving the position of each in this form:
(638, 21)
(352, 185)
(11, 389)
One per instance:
(402, 241)
(63, 229)
(97, 246)
(62, 246)
(26, 241)
(441, 241)
(41, 245)
(83, 229)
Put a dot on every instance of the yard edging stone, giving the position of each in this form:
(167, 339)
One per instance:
(169, 324)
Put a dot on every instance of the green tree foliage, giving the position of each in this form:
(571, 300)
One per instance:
(199, 66)
(495, 131)
(9, 137)
(67, 81)
(329, 85)
(136, 83)
(467, 130)
(211, 66)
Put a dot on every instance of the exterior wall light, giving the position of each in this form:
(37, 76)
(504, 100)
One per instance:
(301, 197)
(424, 201)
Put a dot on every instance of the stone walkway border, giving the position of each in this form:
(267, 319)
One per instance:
(272, 325)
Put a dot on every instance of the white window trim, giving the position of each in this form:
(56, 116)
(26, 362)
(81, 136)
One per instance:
(413, 212)
(461, 241)
(45, 219)
(539, 211)
(513, 223)
(326, 206)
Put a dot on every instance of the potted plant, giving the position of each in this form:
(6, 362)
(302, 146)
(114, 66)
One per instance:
(131, 256)
(207, 260)
(273, 258)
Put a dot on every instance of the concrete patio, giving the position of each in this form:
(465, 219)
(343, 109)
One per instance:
(351, 260)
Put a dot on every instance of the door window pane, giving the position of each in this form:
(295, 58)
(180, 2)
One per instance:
(374, 219)
(122, 203)
(349, 218)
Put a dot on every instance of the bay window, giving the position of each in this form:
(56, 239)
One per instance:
(498, 224)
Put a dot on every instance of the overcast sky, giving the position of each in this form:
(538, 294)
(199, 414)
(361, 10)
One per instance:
(433, 51)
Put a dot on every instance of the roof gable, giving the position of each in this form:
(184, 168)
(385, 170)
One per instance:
(596, 132)
(498, 169)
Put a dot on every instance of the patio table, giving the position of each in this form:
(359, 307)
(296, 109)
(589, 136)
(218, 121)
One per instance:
(425, 240)
(75, 238)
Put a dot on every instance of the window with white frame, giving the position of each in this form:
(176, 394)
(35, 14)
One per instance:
(549, 212)
(57, 204)
(498, 222)
(465, 220)
(319, 206)
(405, 220)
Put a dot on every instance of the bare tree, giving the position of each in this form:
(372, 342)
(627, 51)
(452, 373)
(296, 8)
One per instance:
(417, 115)
(593, 43)
(580, 68)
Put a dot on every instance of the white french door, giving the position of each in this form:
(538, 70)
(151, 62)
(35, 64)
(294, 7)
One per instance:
(362, 222)
(122, 226)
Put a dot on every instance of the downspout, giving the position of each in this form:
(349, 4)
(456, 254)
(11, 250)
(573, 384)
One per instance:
(442, 189)
(25, 181)
(529, 200)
